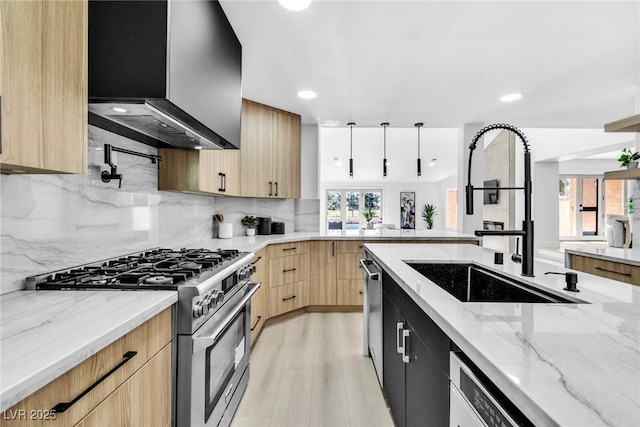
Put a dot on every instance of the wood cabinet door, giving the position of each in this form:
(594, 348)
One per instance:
(288, 269)
(349, 266)
(322, 273)
(283, 299)
(219, 172)
(44, 94)
(286, 155)
(256, 150)
(350, 292)
(143, 400)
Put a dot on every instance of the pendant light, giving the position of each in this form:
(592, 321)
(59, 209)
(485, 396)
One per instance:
(419, 125)
(384, 160)
(351, 125)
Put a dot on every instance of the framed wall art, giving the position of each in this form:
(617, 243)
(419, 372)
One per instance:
(408, 210)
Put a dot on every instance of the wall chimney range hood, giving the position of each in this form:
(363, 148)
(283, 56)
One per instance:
(165, 73)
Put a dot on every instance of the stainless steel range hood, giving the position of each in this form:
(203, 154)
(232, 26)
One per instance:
(165, 73)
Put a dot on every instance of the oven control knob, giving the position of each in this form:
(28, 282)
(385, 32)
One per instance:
(200, 309)
(219, 297)
(211, 300)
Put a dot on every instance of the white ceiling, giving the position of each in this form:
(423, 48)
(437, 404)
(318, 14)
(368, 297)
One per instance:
(443, 63)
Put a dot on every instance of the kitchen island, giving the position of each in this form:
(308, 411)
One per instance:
(560, 364)
(613, 263)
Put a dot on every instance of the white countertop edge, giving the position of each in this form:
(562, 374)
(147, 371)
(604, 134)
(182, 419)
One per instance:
(39, 378)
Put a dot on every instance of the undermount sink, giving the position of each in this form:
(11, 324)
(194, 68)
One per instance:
(471, 283)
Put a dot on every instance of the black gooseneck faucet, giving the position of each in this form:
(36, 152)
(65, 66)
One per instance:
(527, 223)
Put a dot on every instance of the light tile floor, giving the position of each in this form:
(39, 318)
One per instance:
(309, 371)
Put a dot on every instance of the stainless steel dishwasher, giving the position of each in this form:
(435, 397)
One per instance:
(473, 404)
(373, 314)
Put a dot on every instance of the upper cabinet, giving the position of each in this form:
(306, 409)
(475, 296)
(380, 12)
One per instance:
(43, 83)
(630, 124)
(200, 171)
(270, 153)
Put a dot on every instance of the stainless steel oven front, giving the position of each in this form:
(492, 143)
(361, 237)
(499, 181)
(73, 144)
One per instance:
(213, 364)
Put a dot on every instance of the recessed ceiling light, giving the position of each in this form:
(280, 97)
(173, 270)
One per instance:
(307, 94)
(119, 110)
(511, 97)
(433, 162)
(295, 5)
(197, 147)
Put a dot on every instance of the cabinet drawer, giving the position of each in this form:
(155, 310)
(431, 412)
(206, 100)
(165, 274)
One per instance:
(288, 297)
(258, 311)
(349, 246)
(350, 292)
(146, 340)
(349, 266)
(288, 269)
(287, 249)
(608, 269)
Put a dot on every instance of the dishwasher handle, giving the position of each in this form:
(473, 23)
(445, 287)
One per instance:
(370, 275)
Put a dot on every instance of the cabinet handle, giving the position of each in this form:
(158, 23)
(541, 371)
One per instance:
(360, 292)
(63, 406)
(405, 335)
(613, 271)
(288, 298)
(256, 261)
(221, 187)
(399, 327)
(257, 321)
(276, 188)
(289, 270)
(224, 182)
(333, 249)
(290, 249)
(270, 188)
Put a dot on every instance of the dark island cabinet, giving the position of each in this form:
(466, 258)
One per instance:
(416, 361)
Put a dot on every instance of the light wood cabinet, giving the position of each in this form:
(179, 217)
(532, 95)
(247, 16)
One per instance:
(200, 171)
(270, 152)
(285, 298)
(288, 269)
(608, 269)
(349, 273)
(287, 249)
(44, 86)
(143, 400)
(323, 257)
(259, 301)
(146, 341)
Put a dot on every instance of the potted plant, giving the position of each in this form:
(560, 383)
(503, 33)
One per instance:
(369, 213)
(428, 212)
(251, 222)
(629, 158)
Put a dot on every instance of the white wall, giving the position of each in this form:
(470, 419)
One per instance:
(546, 205)
(568, 144)
(588, 167)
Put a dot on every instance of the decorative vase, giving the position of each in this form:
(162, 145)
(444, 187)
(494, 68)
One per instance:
(251, 231)
(369, 224)
(632, 165)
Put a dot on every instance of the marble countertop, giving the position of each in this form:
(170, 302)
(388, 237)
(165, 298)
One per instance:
(255, 243)
(43, 334)
(560, 364)
(625, 256)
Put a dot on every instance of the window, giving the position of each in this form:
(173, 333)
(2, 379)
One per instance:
(353, 209)
(452, 209)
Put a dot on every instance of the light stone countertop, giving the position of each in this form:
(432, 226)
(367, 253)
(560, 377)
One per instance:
(624, 256)
(255, 243)
(43, 334)
(560, 364)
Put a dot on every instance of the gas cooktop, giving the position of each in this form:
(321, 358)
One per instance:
(159, 269)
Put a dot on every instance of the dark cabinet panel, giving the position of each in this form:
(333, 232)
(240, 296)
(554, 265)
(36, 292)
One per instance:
(393, 366)
(417, 387)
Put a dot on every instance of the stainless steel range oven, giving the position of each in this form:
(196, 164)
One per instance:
(212, 319)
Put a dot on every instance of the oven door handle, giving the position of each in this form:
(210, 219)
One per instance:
(201, 343)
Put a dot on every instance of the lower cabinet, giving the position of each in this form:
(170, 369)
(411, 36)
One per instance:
(608, 269)
(143, 400)
(288, 297)
(135, 391)
(415, 355)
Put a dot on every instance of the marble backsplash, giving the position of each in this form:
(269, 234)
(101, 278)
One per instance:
(51, 222)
